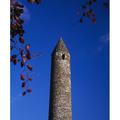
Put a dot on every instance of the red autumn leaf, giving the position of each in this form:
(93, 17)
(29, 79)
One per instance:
(11, 59)
(12, 26)
(22, 64)
(30, 79)
(22, 77)
(23, 84)
(14, 56)
(31, 1)
(35, 1)
(27, 47)
(21, 39)
(24, 93)
(29, 90)
(15, 61)
(28, 55)
(38, 1)
(29, 67)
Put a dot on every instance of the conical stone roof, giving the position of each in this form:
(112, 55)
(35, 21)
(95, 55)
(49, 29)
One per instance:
(60, 47)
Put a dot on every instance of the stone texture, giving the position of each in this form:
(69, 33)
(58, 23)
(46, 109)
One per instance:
(60, 87)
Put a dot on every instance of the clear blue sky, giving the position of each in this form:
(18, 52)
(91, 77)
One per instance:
(89, 47)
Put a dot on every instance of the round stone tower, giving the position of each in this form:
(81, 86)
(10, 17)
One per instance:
(60, 88)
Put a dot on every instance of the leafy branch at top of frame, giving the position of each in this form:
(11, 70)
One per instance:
(87, 10)
(20, 49)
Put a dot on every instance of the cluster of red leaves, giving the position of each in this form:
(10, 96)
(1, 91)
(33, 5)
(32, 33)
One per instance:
(24, 85)
(20, 51)
(87, 11)
(35, 1)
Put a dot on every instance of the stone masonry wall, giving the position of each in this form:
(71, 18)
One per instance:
(60, 90)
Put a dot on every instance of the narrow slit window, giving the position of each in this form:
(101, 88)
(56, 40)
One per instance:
(63, 56)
